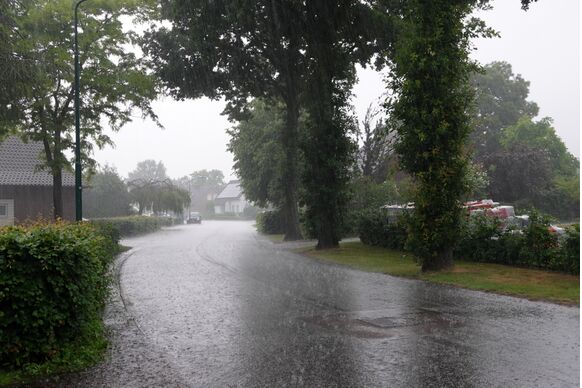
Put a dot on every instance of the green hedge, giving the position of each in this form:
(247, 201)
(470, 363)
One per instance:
(375, 228)
(482, 239)
(133, 225)
(53, 285)
(535, 246)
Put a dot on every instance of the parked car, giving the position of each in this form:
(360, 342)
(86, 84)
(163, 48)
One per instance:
(195, 218)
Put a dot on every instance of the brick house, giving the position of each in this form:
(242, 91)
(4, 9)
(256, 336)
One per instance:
(26, 191)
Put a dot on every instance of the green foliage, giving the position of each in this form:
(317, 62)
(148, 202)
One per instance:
(484, 240)
(479, 239)
(151, 189)
(332, 29)
(501, 100)
(542, 136)
(259, 157)
(118, 227)
(41, 309)
(539, 245)
(17, 72)
(518, 173)
(377, 229)
(368, 196)
(527, 163)
(477, 181)
(114, 83)
(569, 257)
(431, 80)
(107, 195)
(270, 222)
(534, 168)
(238, 51)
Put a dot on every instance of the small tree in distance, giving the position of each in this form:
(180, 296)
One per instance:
(106, 195)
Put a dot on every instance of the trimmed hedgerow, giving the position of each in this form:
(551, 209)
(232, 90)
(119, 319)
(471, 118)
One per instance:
(133, 225)
(53, 285)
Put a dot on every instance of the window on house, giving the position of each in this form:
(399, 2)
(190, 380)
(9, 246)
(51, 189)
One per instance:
(3, 210)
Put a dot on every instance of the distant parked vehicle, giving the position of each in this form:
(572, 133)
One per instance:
(195, 218)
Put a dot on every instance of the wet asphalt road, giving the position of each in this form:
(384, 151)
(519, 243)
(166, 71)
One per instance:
(216, 305)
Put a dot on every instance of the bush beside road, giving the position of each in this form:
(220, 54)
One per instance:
(54, 282)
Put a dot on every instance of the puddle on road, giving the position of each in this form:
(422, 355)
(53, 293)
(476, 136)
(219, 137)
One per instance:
(378, 325)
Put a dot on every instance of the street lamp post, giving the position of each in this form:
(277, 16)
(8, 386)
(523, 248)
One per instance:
(78, 172)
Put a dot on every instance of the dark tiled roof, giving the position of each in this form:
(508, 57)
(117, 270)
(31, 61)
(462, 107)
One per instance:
(19, 163)
(232, 190)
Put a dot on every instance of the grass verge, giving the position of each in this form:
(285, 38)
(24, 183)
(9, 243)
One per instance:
(86, 351)
(502, 279)
(276, 238)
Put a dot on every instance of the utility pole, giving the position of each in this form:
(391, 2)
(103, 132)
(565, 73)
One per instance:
(78, 171)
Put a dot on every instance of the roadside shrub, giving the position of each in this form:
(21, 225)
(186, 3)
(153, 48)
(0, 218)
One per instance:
(133, 225)
(540, 246)
(270, 222)
(483, 240)
(568, 258)
(53, 285)
(510, 245)
(479, 239)
(375, 228)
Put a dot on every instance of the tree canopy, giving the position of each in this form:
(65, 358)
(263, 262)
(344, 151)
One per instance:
(151, 188)
(501, 100)
(114, 83)
(237, 50)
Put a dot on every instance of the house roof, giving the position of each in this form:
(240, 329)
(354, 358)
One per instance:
(19, 164)
(232, 190)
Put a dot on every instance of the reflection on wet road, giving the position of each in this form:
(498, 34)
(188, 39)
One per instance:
(217, 306)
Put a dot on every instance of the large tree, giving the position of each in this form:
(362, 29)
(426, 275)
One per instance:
(338, 35)
(534, 168)
(114, 81)
(430, 77)
(237, 50)
(501, 100)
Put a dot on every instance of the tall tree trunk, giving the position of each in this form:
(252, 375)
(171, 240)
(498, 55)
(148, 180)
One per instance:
(443, 260)
(290, 180)
(54, 157)
(289, 138)
(58, 193)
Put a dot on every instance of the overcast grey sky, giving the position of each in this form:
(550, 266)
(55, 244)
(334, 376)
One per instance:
(543, 45)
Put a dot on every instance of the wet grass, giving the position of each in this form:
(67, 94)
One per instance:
(523, 282)
(276, 238)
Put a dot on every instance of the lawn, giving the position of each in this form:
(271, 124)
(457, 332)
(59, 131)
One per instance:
(276, 238)
(523, 282)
